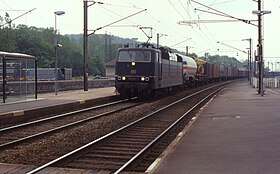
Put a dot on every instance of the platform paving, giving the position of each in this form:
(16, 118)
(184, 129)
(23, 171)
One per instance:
(236, 133)
(50, 101)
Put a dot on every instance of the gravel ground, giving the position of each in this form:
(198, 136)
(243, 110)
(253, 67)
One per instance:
(44, 150)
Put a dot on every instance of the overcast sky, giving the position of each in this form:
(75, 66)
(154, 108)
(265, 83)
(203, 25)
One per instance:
(163, 17)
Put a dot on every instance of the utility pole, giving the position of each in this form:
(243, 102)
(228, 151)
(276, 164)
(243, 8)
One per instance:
(106, 48)
(250, 60)
(86, 40)
(260, 50)
(85, 45)
(248, 65)
(110, 47)
(157, 40)
(86, 36)
(260, 13)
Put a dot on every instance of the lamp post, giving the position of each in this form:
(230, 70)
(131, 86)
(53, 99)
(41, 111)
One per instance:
(56, 45)
(260, 13)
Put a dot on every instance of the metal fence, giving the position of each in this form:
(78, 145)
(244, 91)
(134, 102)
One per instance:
(267, 82)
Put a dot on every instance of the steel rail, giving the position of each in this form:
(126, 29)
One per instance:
(114, 132)
(62, 115)
(164, 132)
(13, 143)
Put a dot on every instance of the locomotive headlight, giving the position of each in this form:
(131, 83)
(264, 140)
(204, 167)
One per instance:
(147, 78)
(142, 78)
(133, 63)
(119, 78)
(123, 78)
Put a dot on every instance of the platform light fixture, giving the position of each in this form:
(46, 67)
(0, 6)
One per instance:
(56, 46)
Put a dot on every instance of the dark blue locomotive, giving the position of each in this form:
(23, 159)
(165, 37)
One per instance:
(146, 71)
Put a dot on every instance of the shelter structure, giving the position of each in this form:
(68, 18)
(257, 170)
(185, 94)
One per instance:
(15, 84)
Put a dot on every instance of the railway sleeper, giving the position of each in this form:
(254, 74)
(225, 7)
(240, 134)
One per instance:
(130, 142)
(133, 139)
(118, 149)
(125, 152)
(91, 166)
(100, 162)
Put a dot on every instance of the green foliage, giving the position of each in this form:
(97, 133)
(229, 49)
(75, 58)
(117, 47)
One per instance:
(8, 19)
(102, 48)
(40, 43)
(7, 38)
(217, 59)
(1, 20)
(224, 60)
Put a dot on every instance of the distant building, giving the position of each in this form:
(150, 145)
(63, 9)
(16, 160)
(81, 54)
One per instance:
(110, 68)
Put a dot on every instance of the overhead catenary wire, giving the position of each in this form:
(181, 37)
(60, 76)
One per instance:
(210, 42)
(206, 38)
(116, 13)
(17, 17)
(207, 21)
(117, 21)
(233, 47)
(222, 13)
(214, 4)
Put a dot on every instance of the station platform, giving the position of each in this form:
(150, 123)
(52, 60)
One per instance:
(49, 103)
(236, 133)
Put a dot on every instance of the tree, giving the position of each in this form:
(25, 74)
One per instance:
(8, 19)
(1, 21)
(224, 60)
(40, 43)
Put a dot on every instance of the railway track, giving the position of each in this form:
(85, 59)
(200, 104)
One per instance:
(18, 134)
(135, 146)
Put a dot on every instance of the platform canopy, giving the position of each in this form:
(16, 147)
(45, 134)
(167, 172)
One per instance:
(16, 55)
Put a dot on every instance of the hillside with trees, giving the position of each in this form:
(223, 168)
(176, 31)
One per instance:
(102, 48)
(40, 43)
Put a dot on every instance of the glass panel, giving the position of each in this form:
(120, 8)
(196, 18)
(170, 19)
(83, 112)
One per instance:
(19, 86)
(134, 55)
(30, 81)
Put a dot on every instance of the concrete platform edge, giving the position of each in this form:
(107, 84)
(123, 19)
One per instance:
(176, 141)
(19, 115)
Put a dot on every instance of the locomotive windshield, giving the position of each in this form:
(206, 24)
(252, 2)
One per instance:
(134, 56)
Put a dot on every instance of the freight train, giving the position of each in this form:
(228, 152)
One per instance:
(147, 71)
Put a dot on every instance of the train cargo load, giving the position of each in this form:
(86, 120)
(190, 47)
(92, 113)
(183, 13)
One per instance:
(189, 69)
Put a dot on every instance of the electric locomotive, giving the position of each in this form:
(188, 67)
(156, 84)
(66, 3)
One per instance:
(147, 71)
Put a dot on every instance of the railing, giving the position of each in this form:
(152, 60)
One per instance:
(267, 82)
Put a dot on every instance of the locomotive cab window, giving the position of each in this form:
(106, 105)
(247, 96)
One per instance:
(134, 55)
